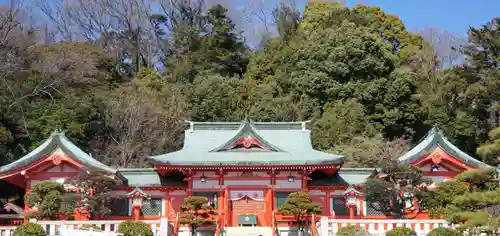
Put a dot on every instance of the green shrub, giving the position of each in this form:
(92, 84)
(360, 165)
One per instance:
(401, 231)
(134, 228)
(351, 230)
(445, 232)
(29, 229)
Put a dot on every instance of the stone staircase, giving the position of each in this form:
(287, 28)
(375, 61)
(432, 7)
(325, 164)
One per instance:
(248, 231)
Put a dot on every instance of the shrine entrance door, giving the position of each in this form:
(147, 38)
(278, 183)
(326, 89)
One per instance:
(247, 207)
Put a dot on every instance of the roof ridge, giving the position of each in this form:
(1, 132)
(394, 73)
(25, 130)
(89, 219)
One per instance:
(258, 125)
(250, 121)
(246, 127)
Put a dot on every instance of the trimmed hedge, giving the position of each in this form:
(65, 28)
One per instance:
(401, 231)
(29, 229)
(445, 232)
(351, 230)
(134, 228)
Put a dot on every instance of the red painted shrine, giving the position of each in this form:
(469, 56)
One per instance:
(243, 168)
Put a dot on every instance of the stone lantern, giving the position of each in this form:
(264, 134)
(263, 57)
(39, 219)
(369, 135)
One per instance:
(351, 196)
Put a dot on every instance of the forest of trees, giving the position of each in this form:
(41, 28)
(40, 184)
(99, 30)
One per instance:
(120, 77)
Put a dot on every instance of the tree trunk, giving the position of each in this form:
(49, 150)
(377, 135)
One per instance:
(193, 231)
(300, 230)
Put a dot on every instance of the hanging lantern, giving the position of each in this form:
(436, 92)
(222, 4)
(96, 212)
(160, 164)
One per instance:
(203, 178)
(291, 178)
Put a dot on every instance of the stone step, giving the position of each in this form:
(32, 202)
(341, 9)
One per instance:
(248, 231)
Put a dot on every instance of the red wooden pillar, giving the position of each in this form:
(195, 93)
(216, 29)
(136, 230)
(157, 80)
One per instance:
(361, 206)
(27, 190)
(227, 208)
(26, 207)
(221, 209)
(190, 186)
(137, 213)
(304, 177)
(168, 204)
(273, 174)
(351, 212)
(327, 204)
(268, 207)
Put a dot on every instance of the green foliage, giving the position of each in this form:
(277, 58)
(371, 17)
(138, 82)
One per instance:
(96, 192)
(439, 200)
(321, 62)
(491, 149)
(299, 205)
(401, 231)
(385, 193)
(29, 229)
(216, 47)
(475, 222)
(47, 199)
(215, 98)
(318, 14)
(196, 211)
(351, 230)
(134, 228)
(340, 123)
(444, 232)
(471, 201)
(336, 56)
(479, 179)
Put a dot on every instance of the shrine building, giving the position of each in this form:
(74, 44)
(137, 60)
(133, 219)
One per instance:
(243, 168)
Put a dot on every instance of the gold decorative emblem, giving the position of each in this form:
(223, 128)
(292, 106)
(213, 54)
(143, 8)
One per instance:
(56, 160)
(436, 158)
(247, 142)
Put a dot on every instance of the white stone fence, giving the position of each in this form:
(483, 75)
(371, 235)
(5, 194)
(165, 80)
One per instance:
(326, 226)
(52, 227)
(330, 227)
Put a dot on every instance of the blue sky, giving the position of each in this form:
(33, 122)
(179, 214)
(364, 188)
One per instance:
(448, 15)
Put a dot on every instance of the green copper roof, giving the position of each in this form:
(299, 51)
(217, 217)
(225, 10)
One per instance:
(57, 140)
(344, 177)
(147, 177)
(141, 177)
(284, 143)
(433, 139)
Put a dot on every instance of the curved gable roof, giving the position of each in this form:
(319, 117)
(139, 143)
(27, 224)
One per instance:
(56, 140)
(435, 138)
(287, 143)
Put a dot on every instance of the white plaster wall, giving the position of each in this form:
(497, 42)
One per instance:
(317, 193)
(288, 173)
(178, 193)
(206, 174)
(285, 184)
(246, 182)
(337, 192)
(197, 184)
